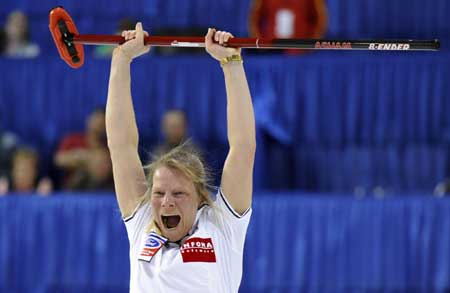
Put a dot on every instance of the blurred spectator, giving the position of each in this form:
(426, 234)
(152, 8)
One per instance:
(174, 129)
(2, 41)
(24, 176)
(8, 143)
(16, 37)
(442, 188)
(300, 19)
(96, 173)
(74, 150)
(105, 51)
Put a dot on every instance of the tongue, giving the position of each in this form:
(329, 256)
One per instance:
(173, 221)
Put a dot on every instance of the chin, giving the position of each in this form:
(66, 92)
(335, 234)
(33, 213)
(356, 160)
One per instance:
(174, 236)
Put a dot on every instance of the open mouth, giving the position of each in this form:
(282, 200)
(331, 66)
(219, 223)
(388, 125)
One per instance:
(170, 222)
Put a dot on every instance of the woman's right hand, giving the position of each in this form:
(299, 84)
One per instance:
(134, 43)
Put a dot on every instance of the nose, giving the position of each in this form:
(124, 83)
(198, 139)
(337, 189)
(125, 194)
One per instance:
(167, 201)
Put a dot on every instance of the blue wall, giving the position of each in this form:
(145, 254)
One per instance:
(326, 121)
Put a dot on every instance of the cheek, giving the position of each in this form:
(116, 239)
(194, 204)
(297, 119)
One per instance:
(155, 203)
(188, 206)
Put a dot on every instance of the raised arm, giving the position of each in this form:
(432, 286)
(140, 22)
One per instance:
(121, 129)
(237, 175)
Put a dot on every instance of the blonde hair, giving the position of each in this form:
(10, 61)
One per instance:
(187, 159)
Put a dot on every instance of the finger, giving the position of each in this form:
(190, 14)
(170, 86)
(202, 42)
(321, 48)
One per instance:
(139, 32)
(123, 33)
(219, 36)
(127, 35)
(209, 37)
(146, 33)
(222, 38)
(133, 34)
(226, 37)
(138, 26)
(216, 36)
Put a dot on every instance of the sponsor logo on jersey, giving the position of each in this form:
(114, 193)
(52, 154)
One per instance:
(152, 244)
(198, 250)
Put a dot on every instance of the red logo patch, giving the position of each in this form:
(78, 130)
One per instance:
(198, 250)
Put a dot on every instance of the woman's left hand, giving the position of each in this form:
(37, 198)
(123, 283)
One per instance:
(214, 43)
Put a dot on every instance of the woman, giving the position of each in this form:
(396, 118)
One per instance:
(17, 41)
(24, 175)
(181, 240)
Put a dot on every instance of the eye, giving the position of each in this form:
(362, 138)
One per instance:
(178, 193)
(158, 194)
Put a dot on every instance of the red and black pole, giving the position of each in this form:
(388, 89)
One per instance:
(314, 44)
(70, 43)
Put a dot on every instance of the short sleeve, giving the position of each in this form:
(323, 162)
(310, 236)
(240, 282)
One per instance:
(222, 202)
(137, 222)
(234, 225)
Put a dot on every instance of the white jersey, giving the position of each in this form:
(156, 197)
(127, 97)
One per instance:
(208, 259)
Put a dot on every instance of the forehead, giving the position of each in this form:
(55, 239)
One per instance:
(96, 117)
(166, 177)
(25, 156)
(175, 116)
(17, 16)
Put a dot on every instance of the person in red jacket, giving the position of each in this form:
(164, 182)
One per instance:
(76, 150)
(300, 19)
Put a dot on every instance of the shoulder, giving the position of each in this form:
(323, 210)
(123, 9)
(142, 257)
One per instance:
(221, 215)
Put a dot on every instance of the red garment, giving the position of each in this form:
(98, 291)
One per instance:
(291, 18)
(73, 141)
